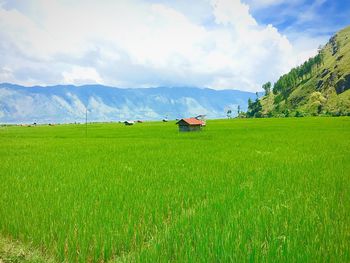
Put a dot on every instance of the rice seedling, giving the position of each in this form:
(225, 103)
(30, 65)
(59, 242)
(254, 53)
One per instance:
(240, 190)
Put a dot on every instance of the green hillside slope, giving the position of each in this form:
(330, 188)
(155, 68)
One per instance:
(321, 86)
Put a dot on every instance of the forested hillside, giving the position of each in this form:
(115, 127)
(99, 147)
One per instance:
(320, 86)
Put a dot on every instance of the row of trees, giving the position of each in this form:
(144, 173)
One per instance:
(287, 82)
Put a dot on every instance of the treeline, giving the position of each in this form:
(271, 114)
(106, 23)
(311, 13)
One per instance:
(287, 82)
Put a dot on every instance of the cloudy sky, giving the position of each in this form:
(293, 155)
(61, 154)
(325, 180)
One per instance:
(221, 44)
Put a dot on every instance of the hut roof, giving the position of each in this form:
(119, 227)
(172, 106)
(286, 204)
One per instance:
(191, 121)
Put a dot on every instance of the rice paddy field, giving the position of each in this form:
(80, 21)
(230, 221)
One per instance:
(242, 190)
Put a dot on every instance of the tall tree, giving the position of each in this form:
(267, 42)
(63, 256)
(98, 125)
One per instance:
(267, 88)
(254, 109)
(250, 102)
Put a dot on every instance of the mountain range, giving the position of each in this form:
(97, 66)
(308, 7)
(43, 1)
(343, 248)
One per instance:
(68, 103)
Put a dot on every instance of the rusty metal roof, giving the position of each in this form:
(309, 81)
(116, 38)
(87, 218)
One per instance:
(192, 121)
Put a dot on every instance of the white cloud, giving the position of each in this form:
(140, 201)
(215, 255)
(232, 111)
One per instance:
(80, 75)
(6, 74)
(137, 44)
(232, 12)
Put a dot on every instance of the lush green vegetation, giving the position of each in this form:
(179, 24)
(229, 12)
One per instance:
(287, 82)
(241, 190)
(320, 86)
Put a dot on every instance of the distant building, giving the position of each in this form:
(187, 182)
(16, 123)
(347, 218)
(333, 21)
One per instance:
(129, 123)
(190, 124)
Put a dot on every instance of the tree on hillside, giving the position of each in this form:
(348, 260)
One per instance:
(267, 88)
(286, 83)
(320, 55)
(254, 109)
(250, 102)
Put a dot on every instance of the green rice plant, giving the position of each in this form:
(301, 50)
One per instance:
(240, 190)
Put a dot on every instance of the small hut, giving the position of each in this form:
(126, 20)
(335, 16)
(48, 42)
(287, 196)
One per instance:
(190, 124)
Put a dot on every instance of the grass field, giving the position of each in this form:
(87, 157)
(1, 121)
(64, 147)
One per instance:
(241, 190)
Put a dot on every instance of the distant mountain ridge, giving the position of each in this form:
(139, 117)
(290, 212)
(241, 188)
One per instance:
(67, 103)
(321, 86)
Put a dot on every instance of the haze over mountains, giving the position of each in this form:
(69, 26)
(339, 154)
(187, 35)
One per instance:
(66, 103)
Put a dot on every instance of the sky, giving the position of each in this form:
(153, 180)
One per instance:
(219, 44)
